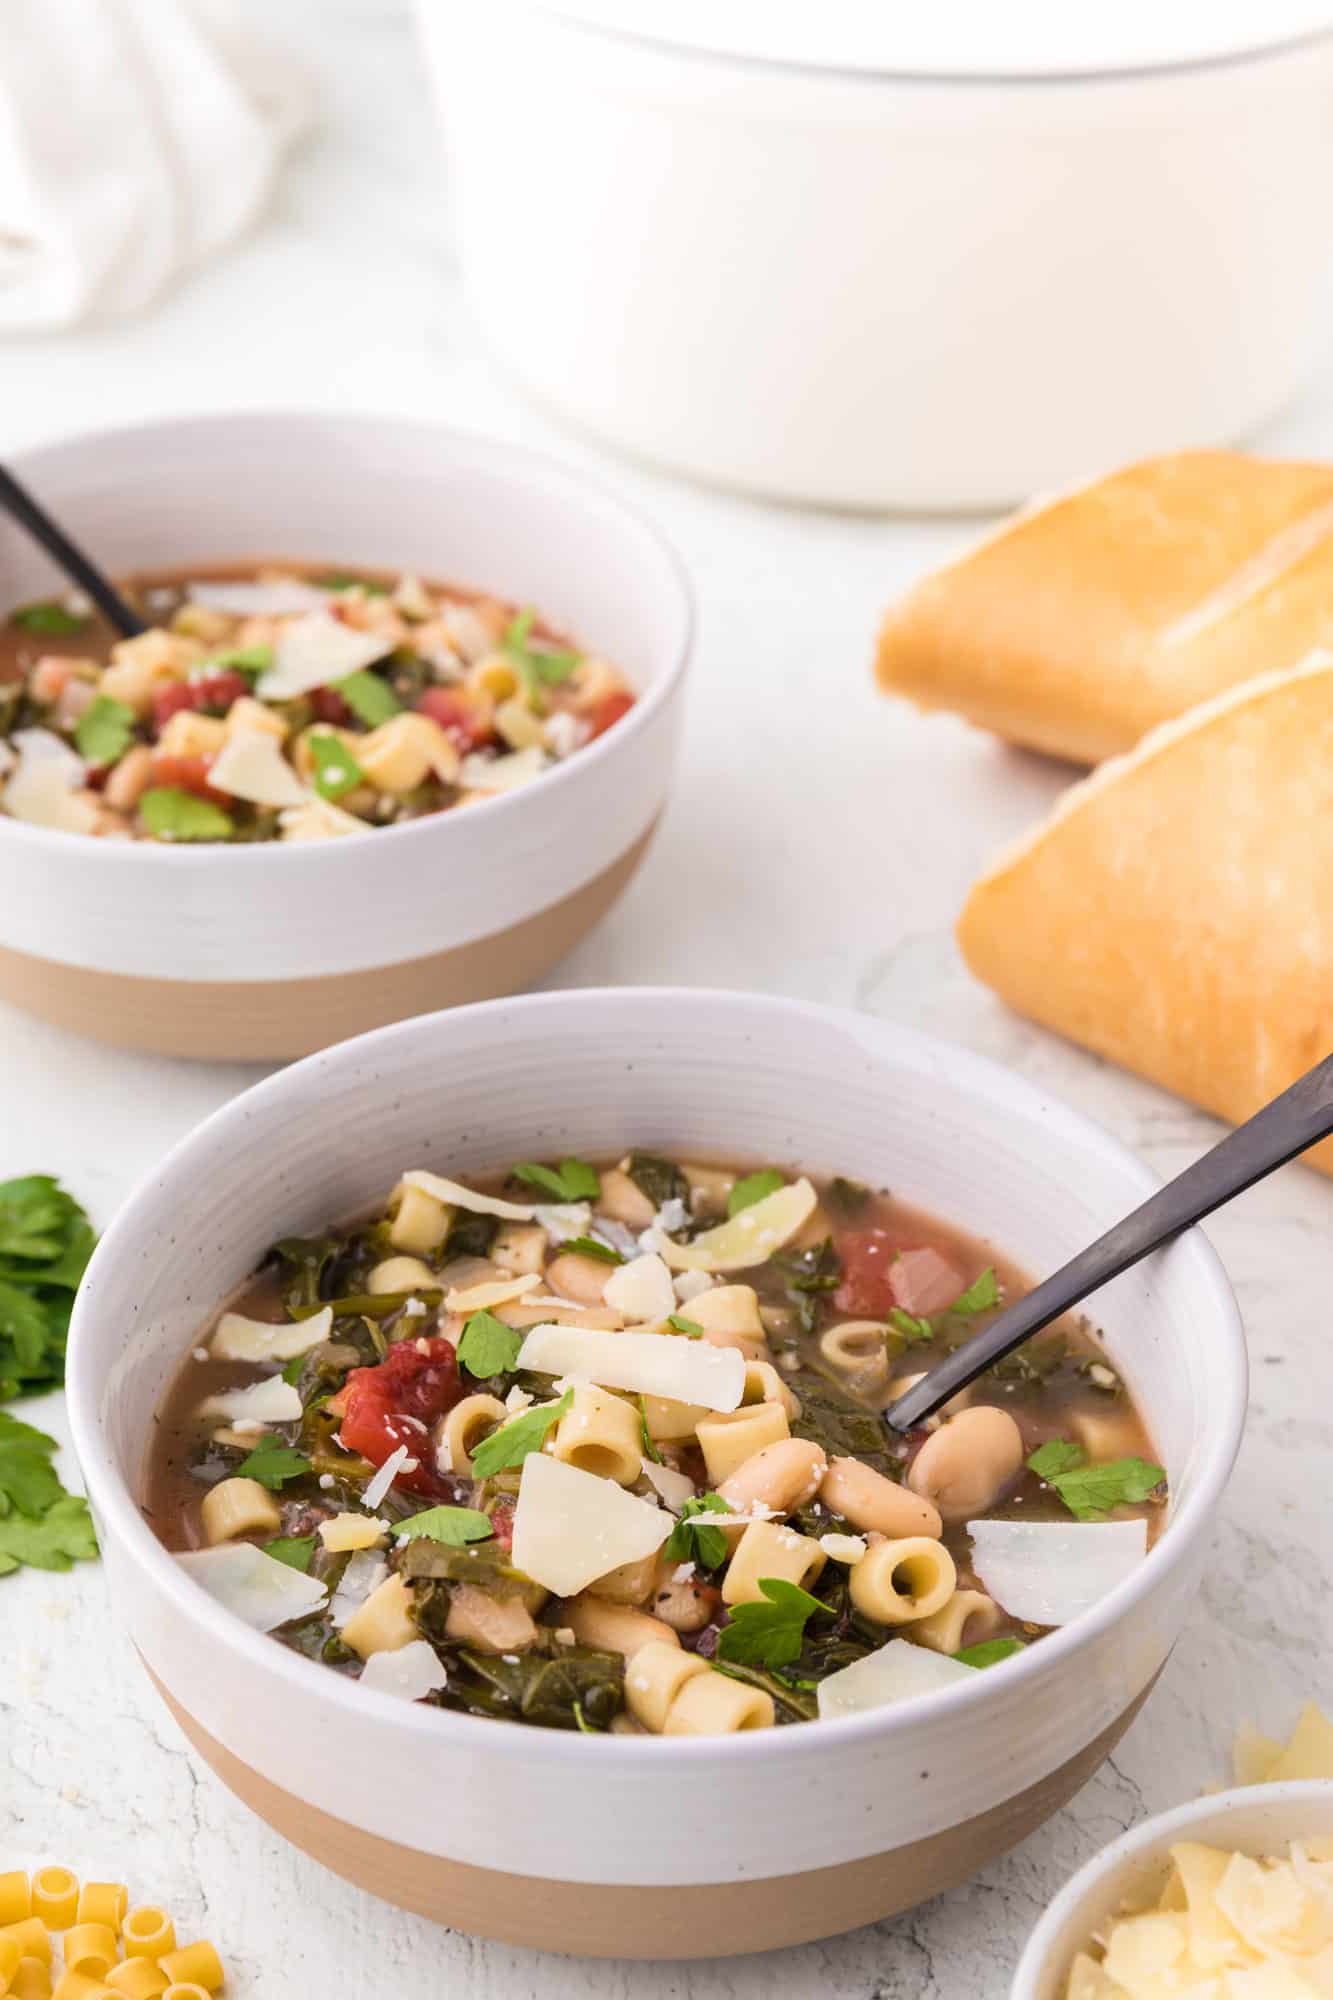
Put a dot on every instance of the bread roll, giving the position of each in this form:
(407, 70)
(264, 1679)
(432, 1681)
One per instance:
(1092, 618)
(1175, 912)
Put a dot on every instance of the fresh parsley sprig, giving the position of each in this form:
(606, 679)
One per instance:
(572, 1180)
(1088, 1490)
(591, 1246)
(488, 1347)
(45, 1243)
(693, 1539)
(770, 1634)
(513, 1441)
(41, 1525)
(753, 1188)
(272, 1463)
(454, 1526)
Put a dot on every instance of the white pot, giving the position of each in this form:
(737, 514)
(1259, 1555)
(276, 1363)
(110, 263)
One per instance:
(587, 1844)
(272, 950)
(934, 258)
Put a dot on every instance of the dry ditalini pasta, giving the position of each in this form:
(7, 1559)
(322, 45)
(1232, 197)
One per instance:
(285, 705)
(108, 1951)
(598, 1447)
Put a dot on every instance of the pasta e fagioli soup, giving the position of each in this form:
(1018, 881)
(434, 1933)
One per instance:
(598, 1446)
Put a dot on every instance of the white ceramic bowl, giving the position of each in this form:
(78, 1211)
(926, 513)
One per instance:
(873, 256)
(560, 1840)
(266, 951)
(1257, 1820)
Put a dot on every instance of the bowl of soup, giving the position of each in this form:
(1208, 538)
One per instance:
(498, 1398)
(396, 733)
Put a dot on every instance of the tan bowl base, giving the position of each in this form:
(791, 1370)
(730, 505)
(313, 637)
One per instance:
(264, 1020)
(711, 1920)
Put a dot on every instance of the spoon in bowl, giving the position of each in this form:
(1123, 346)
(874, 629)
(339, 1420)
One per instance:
(18, 502)
(1298, 1118)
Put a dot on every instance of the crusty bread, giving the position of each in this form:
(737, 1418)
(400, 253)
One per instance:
(1175, 912)
(1090, 619)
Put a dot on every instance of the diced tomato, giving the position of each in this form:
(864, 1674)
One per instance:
(924, 1282)
(463, 724)
(609, 710)
(396, 1403)
(212, 691)
(502, 1522)
(328, 706)
(866, 1257)
(187, 774)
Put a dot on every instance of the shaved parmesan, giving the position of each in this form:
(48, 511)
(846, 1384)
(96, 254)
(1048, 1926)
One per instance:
(283, 599)
(315, 650)
(240, 1339)
(269, 1402)
(674, 1487)
(563, 1219)
(250, 765)
(502, 774)
(384, 1478)
(844, 1548)
(649, 1364)
(44, 786)
(318, 819)
(257, 1588)
(352, 1531)
(411, 1673)
(749, 1238)
(688, 1285)
(362, 1577)
(454, 1195)
(497, 1292)
(641, 1290)
(571, 1527)
(897, 1672)
(1048, 1572)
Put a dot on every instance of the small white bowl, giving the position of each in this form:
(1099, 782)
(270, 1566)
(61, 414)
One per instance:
(589, 1845)
(266, 951)
(1254, 1819)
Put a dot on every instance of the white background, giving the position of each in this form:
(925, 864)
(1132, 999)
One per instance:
(819, 844)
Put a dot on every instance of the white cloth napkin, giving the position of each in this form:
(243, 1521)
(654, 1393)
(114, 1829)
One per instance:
(136, 138)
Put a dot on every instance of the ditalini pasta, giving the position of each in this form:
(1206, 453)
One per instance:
(285, 706)
(107, 1949)
(598, 1447)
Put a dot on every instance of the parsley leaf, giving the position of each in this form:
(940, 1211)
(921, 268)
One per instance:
(370, 699)
(45, 1242)
(52, 620)
(28, 1480)
(454, 1526)
(537, 666)
(909, 1326)
(1091, 1491)
(339, 580)
(273, 1463)
(682, 1324)
(649, 1448)
(488, 1347)
(511, 1444)
(336, 769)
(692, 1538)
(754, 1188)
(105, 730)
(251, 661)
(56, 1539)
(294, 1550)
(591, 1246)
(294, 1370)
(769, 1634)
(989, 1652)
(981, 1294)
(572, 1180)
(171, 814)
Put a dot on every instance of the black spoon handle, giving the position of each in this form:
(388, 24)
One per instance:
(16, 500)
(1284, 1128)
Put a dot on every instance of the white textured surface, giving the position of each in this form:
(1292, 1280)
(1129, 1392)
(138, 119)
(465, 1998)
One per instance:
(818, 845)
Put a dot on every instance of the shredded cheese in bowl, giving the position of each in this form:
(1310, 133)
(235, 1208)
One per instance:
(1229, 1925)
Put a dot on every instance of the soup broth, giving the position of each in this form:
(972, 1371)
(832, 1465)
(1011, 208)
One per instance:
(439, 1419)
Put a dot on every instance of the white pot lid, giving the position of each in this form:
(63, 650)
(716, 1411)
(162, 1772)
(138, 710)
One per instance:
(963, 38)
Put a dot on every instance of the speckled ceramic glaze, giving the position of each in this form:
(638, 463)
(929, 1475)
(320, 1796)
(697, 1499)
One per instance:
(813, 1828)
(1257, 1820)
(266, 950)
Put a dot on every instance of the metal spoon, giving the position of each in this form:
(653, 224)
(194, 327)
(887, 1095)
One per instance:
(16, 500)
(1297, 1119)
